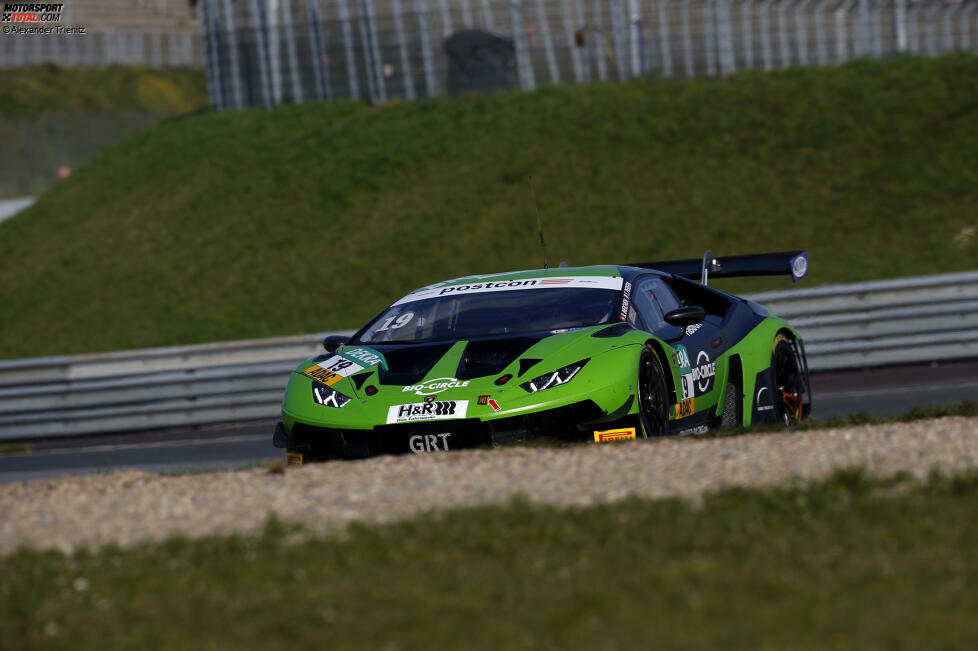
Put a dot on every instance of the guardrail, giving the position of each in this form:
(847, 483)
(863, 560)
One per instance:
(845, 326)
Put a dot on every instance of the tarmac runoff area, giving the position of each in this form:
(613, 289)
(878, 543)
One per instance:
(10, 207)
(132, 507)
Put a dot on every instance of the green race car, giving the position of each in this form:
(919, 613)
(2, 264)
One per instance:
(602, 353)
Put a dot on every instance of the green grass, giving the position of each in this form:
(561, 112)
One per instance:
(850, 563)
(315, 217)
(37, 90)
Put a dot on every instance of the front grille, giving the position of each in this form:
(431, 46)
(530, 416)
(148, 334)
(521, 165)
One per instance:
(328, 443)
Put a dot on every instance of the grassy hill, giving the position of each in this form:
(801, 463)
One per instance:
(311, 217)
(35, 90)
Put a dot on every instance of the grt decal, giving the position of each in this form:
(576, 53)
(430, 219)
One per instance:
(431, 387)
(593, 282)
(365, 356)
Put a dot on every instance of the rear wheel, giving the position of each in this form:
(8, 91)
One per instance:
(789, 385)
(653, 394)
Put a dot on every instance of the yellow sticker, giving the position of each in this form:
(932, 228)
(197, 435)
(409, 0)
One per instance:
(320, 374)
(293, 458)
(684, 408)
(622, 434)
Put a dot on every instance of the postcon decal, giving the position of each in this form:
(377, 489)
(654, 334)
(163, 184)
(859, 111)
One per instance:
(436, 410)
(685, 408)
(626, 296)
(591, 282)
(332, 370)
(608, 435)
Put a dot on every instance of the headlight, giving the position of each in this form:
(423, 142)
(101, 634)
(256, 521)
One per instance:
(328, 396)
(554, 378)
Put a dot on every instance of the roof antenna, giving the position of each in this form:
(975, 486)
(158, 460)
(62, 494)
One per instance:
(546, 265)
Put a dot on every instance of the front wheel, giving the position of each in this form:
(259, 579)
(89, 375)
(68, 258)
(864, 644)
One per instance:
(789, 385)
(653, 394)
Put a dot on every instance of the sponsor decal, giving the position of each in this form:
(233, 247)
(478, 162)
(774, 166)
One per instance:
(685, 408)
(699, 429)
(593, 282)
(763, 400)
(621, 434)
(495, 405)
(799, 266)
(704, 372)
(626, 295)
(690, 329)
(437, 385)
(696, 380)
(293, 459)
(365, 356)
(483, 400)
(332, 370)
(437, 410)
(421, 443)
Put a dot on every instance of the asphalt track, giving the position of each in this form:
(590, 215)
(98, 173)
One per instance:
(880, 392)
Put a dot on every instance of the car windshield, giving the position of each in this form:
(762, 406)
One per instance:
(469, 314)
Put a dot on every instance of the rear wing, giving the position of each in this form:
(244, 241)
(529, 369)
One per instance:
(787, 263)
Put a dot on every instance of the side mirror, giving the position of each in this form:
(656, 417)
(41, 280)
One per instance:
(685, 316)
(332, 342)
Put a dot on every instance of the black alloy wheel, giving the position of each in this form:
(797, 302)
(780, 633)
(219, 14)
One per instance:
(789, 386)
(653, 394)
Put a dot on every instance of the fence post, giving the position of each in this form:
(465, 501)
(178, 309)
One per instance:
(233, 50)
(687, 38)
(290, 47)
(664, 41)
(841, 36)
(466, 14)
(523, 63)
(264, 63)
(446, 19)
(317, 44)
(599, 42)
(820, 45)
(801, 32)
(619, 38)
(548, 44)
(932, 30)
(864, 43)
(637, 49)
(785, 47)
(421, 9)
(575, 56)
(725, 25)
(402, 46)
(353, 82)
(965, 19)
(487, 15)
(766, 54)
(948, 35)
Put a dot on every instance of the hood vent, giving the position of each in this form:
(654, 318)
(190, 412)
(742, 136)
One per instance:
(491, 356)
(526, 363)
(360, 378)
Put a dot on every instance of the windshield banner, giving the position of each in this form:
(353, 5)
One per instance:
(587, 282)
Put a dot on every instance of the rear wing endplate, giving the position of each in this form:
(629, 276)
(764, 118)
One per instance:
(787, 263)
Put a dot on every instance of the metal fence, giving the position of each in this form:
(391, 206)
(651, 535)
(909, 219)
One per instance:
(156, 49)
(909, 320)
(263, 52)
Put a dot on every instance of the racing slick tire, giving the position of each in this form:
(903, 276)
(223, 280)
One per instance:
(653, 394)
(789, 384)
